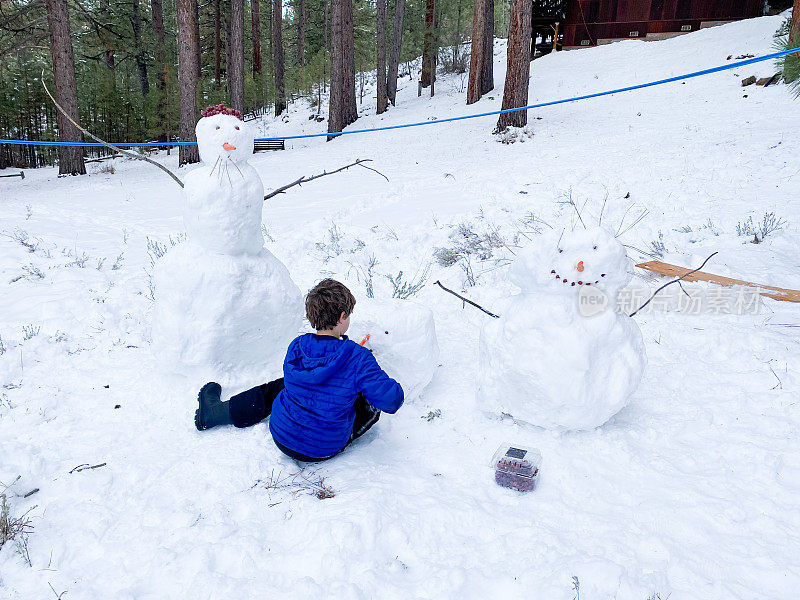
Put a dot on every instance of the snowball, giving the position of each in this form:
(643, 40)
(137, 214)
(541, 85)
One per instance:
(544, 361)
(402, 338)
(225, 317)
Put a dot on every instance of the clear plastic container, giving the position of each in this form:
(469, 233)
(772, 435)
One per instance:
(516, 467)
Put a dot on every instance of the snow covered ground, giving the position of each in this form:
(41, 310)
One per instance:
(690, 492)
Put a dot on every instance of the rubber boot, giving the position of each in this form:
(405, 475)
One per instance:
(211, 411)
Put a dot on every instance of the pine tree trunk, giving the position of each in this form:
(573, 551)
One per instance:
(428, 45)
(342, 107)
(187, 79)
(226, 20)
(380, 27)
(515, 93)
(478, 53)
(794, 28)
(394, 50)
(335, 117)
(141, 61)
(157, 10)
(106, 37)
(70, 159)
(255, 19)
(255, 22)
(236, 43)
(487, 76)
(199, 52)
(218, 43)
(301, 32)
(457, 39)
(277, 56)
(349, 108)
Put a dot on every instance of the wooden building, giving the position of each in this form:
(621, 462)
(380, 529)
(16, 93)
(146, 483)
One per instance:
(580, 23)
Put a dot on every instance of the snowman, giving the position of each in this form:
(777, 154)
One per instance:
(225, 307)
(560, 356)
(402, 336)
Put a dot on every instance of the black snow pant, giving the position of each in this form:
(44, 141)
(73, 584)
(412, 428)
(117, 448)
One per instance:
(255, 405)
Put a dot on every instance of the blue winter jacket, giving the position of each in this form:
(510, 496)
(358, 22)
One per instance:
(314, 413)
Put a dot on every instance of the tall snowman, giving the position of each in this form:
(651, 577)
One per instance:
(225, 307)
(560, 356)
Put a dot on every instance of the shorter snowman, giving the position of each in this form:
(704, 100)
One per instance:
(225, 307)
(560, 356)
(402, 336)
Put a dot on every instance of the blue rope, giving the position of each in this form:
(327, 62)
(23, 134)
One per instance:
(734, 65)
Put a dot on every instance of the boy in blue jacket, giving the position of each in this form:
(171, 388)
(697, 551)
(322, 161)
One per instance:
(332, 390)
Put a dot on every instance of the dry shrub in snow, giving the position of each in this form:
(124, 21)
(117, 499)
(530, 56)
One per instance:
(15, 528)
(297, 483)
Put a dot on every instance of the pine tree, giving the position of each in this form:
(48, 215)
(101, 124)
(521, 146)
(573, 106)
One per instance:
(394, 52)
(277, 56)
(236, 43)
(187, 78)
(66, 89)
(518, 62)
(380, 26)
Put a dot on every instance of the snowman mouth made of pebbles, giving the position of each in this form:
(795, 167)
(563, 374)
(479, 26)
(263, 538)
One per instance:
(548, 360)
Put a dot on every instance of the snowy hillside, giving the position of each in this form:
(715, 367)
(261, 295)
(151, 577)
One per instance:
(690, 492)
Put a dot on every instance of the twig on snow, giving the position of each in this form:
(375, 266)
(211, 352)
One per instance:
(86, 467)
(468, 301)
(304, 179)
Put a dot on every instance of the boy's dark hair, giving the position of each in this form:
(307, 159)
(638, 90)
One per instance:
(326, 302)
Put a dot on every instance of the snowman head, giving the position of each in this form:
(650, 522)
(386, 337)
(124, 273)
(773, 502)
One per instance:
(567, 261)
(222, 135)
(402, 336)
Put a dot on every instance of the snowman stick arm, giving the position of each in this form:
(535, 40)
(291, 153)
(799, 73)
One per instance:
(671, 282)
(467, 300)
(133, 155)
(305, 179)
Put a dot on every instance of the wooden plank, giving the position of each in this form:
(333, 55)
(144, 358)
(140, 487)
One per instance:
(775, 293)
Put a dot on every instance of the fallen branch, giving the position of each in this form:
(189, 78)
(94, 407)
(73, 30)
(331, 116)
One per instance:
(21, 175)
(478, 306)
(684, 276)
(134, 155)
(86, 467)
(359, 162)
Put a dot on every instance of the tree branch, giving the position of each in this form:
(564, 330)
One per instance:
(671, 282)
(128, 153)
(466, 300)
(305, 179)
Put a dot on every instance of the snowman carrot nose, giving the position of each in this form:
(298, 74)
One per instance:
(227, 146)
(580, 266)
(365, 340)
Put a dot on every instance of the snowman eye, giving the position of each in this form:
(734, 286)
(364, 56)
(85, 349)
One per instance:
(386, 332)
(217, 126)
(237, 128)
